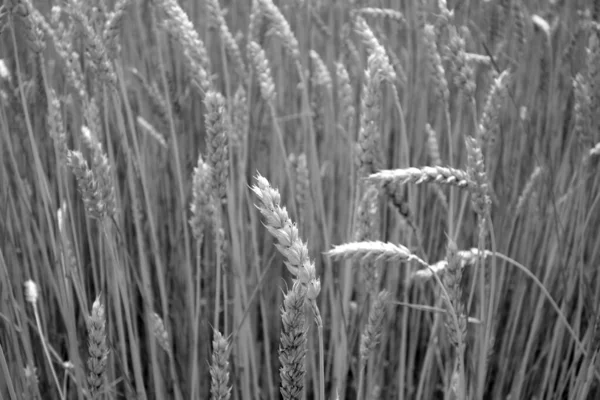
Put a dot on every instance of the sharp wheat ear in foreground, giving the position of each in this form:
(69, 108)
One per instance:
(290, 245)
(299, 264)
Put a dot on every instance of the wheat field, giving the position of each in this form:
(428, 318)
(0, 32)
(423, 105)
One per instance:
(299, 199)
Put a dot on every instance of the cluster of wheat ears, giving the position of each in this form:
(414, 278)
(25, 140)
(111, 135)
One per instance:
(158, 157)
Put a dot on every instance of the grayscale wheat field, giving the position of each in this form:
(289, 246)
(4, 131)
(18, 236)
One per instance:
(299, 199)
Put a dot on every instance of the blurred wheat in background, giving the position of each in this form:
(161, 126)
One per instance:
(299, 199)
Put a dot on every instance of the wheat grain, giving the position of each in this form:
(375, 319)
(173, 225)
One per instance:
(367, 228)
(231, 46)
(441, 175)
(466, 257)
(382, 13)
(255, 24)
(240, 118)
(452, 282)
(461, 71)
(97, 348)
(321, 77)
(374, 328)
(489, 121)
(345, 97)
(374, 251)
(92, 192)
(56, 126)
(95, 48)
(379, 65)
(194, 51)
(100, 166)
(480, 196)
(280, 27)
(217, 137)
(432, 146)
(434, 63)
(368, 149)
(201, 207)
(219, 369)
(110, 34)
(302, 187)
(582, 108)
(159, 331)
(290, 245)
(263, 70)
(293, 342)
(29, 24)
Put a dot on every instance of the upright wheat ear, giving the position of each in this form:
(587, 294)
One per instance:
(293, 341)
(194, 51)
(97, 196)
(219, 369)
(97, 348)
(217, 140)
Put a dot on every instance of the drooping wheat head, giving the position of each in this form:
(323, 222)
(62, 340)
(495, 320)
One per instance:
(440, 175)
(372, 251)
(382, 13)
